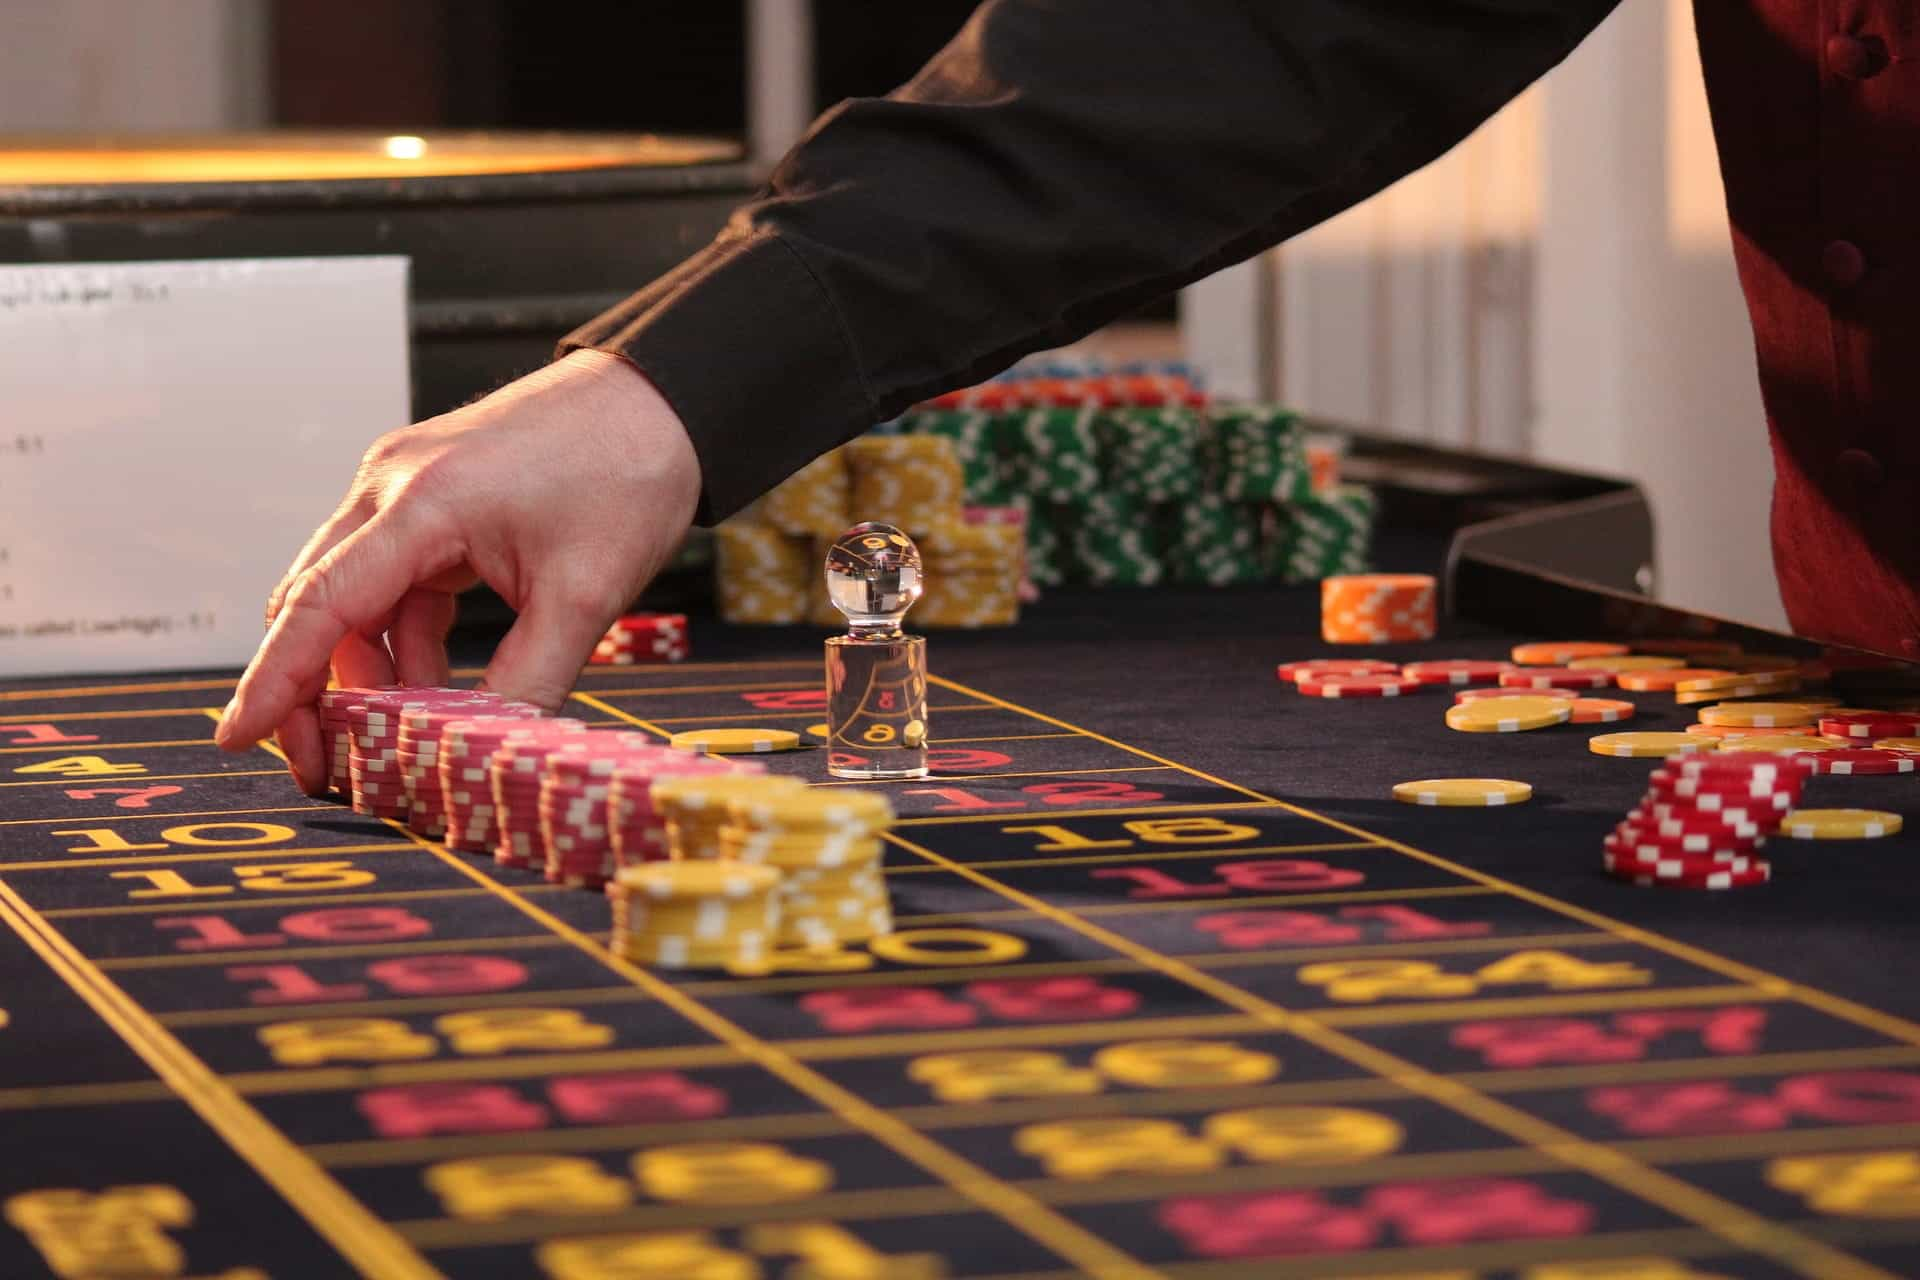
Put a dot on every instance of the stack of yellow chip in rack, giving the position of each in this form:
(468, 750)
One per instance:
(814, 502)
(914, 483)
(694, 809)
(973, 575)
(762, 575)
(695, 915)
(768, 559)
(827, 846)
(1377, 608)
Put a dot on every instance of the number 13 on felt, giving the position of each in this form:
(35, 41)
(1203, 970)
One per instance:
(1363, 981)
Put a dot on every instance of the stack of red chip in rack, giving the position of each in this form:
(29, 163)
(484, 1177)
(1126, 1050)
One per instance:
(1705, 819)
(418, 752)
(466, 779)
(361, 739)
(639, 638)
(573, 801)
(516, 771)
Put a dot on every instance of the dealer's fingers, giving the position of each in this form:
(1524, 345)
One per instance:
(299, 739)
(349, 516)
(540, 658)
(356, 584)
(418, 637)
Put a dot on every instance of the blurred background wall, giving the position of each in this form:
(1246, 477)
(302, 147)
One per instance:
(1559, 287)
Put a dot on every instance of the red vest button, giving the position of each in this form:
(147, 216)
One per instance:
(1859, 473)
(1843, 262)
(1856, 57)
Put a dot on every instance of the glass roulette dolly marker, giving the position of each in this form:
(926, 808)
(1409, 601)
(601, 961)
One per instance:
(876, 673)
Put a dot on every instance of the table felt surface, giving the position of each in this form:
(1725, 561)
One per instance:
(1247, 1015)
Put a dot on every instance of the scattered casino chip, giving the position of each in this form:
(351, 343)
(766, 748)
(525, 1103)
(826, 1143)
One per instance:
(1859, 761)
(1616, 663)
(1455, 670)
(1509, 715)
(1554, 678)
(1601, 710)
(1839, 824)
(1731, 692)
(1784, 742)
(1377, 608)
(1475, 695)
(1647, 746)
(1868, 725)
(1688, 878)
(1726, 684)
(639, 638)
(1557, 653)
(1729, 733)
(1463, 792)
(1667, 680)
(1293, 672)
(735, 742)
(1356, 686)
(1759, 715)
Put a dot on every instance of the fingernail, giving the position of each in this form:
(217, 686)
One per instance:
(223, 730)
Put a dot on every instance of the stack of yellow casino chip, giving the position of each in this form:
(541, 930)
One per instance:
(695, 808)
(827, 846)
(814, 502)
(914, 482)
(762, 575)
(695, 915)
(973, 575)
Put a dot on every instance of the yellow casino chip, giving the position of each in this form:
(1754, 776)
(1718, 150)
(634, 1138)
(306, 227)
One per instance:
(1463, 792)
(735, 742)
(1839, 824)
(1508, 715)
(1649, 746)
(1782, 742)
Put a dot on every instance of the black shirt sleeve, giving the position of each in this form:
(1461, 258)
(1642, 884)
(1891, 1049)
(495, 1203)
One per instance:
(1058, 164)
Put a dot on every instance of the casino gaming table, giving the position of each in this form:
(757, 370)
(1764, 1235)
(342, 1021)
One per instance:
(1177, 989)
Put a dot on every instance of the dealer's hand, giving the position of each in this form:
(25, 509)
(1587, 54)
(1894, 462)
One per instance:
(564, 492)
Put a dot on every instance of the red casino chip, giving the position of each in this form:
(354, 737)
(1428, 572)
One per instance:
(1455, 670)
(1555, 678)
(1740, 806)
(1356, 686)
(1869, 725)
(1700, 844)
(1687, 878)
(1677, 821)
(1474, 695)
(1293, 672)
(1861, 761)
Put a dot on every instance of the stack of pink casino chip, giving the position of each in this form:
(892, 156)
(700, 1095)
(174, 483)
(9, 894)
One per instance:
(373, 743)
(573, 801)
(421, 729)
(635, 832)
(466, 777)
(336, 732)
(516, 770)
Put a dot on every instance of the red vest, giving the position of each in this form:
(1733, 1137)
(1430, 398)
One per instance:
(1816, 106)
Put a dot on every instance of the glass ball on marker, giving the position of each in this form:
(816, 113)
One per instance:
(873, 577)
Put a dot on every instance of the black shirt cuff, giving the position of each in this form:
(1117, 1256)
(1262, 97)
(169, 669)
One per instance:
(750, 352)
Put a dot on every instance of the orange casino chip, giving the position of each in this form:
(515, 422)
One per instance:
(1558, 653)
(1665, 681)
(1377, 608)
(1601, 710)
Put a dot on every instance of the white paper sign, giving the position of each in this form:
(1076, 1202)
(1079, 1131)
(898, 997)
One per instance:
(170, 435)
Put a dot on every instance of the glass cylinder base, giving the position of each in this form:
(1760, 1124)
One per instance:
(877, 708)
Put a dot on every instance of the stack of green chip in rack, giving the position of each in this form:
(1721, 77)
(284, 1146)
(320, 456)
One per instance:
(1213, 542)
(1153, 451)
(1324, 535)
(1132, 479)
(1259, 454)
(1114, 544)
